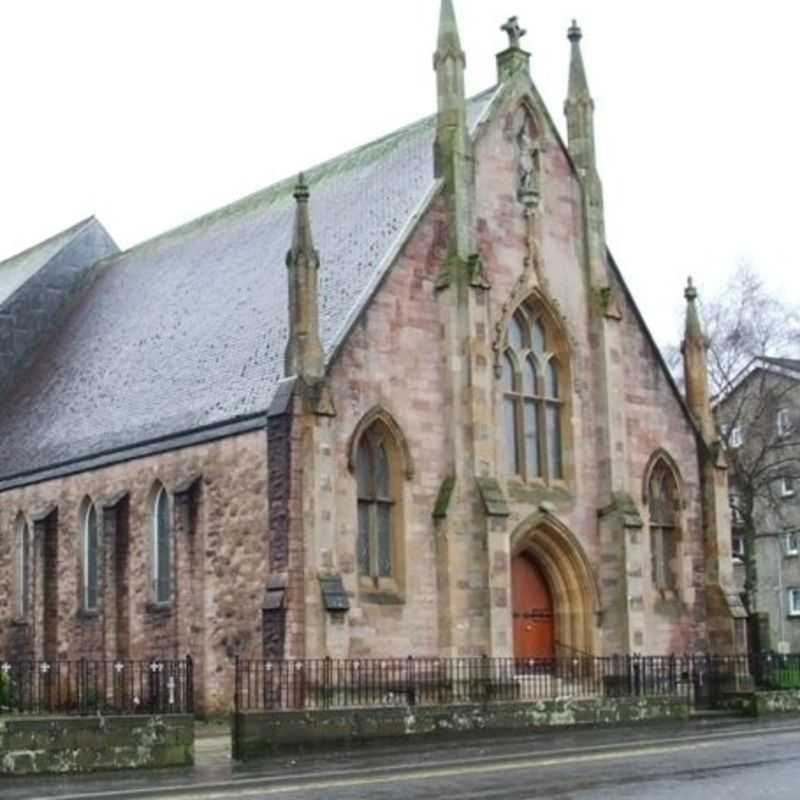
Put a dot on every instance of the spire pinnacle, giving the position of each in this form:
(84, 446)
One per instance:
(304, 356)
(578, 85)
(302, 242)
(449, 42)
(695, 365)
(694, 330)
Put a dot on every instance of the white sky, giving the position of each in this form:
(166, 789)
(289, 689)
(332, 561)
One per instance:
(148, 113)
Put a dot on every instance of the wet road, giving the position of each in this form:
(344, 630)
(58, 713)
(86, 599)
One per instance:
(750, 760)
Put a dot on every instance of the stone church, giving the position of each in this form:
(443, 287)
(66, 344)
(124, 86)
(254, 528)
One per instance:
(404, 404)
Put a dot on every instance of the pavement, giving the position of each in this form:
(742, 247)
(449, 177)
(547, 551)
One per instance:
(730, 758)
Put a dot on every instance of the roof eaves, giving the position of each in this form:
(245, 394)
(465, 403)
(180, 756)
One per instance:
(172, 441)
(756, 364)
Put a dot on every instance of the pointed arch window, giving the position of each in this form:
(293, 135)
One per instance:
(663, 505)
(533, 398)
(375, 506)
(24, 569)
(91, 560)
(162, 549)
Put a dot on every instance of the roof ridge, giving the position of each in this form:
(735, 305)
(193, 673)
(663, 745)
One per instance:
(72, 229)
(311, 174)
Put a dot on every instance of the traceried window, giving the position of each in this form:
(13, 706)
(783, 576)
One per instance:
(376, 504)
(162, 549)
(24, 570)
(663, 506)
(533, 399)
(90, 566)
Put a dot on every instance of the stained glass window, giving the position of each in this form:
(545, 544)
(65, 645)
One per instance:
(376, 505)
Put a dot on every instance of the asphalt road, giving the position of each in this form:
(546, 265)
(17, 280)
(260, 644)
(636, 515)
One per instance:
(750, 760)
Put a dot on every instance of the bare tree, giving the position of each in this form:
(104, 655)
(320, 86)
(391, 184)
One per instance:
(754, 342)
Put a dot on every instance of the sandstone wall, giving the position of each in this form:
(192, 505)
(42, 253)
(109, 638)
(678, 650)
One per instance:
(220, 558)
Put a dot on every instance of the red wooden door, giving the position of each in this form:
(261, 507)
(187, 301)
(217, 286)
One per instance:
(532, 608)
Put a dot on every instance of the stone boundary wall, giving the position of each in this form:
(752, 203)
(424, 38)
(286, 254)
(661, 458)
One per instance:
(39, 745)
(760, 704)
(264, 733)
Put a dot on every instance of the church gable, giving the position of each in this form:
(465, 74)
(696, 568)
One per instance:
(38, 286)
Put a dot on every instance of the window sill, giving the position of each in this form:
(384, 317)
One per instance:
(666, 595)
(159, 609)
(384, 592)
(88, 613)
(376, 597)
(20, 623)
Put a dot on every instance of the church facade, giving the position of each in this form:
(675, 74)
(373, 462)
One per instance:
(402, 405)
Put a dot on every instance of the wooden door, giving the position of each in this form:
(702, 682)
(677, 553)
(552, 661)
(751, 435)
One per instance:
(532, 608)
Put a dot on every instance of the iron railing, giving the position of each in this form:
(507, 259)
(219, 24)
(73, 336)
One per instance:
(97, 687)
(774, 671)
(351, 683)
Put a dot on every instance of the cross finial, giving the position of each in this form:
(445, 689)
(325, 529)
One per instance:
(515, 33)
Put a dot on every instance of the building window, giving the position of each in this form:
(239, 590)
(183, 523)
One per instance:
(787, 486)
(737, 546)
(783, 422)
(734, 435)
(376, 502)
(90, 570)
(735, 502)
(24, 569)
(533, 399)
(791, 543)
(162, 549)
(794, 602)
(663, 507)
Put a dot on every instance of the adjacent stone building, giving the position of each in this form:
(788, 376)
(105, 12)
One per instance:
(438, 426)
(760, 420)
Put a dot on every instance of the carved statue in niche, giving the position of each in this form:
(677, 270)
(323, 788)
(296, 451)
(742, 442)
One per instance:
(529, 152)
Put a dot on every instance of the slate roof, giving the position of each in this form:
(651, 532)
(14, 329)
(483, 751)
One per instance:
(15, 271)
(187, 331)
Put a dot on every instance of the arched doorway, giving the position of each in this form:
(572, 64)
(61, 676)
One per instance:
(549, 561)
(532, 606)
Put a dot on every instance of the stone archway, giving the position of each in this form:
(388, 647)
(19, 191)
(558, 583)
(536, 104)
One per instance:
(558, 555)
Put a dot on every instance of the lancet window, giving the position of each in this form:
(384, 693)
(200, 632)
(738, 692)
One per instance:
(90, 565)
(663, 502)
